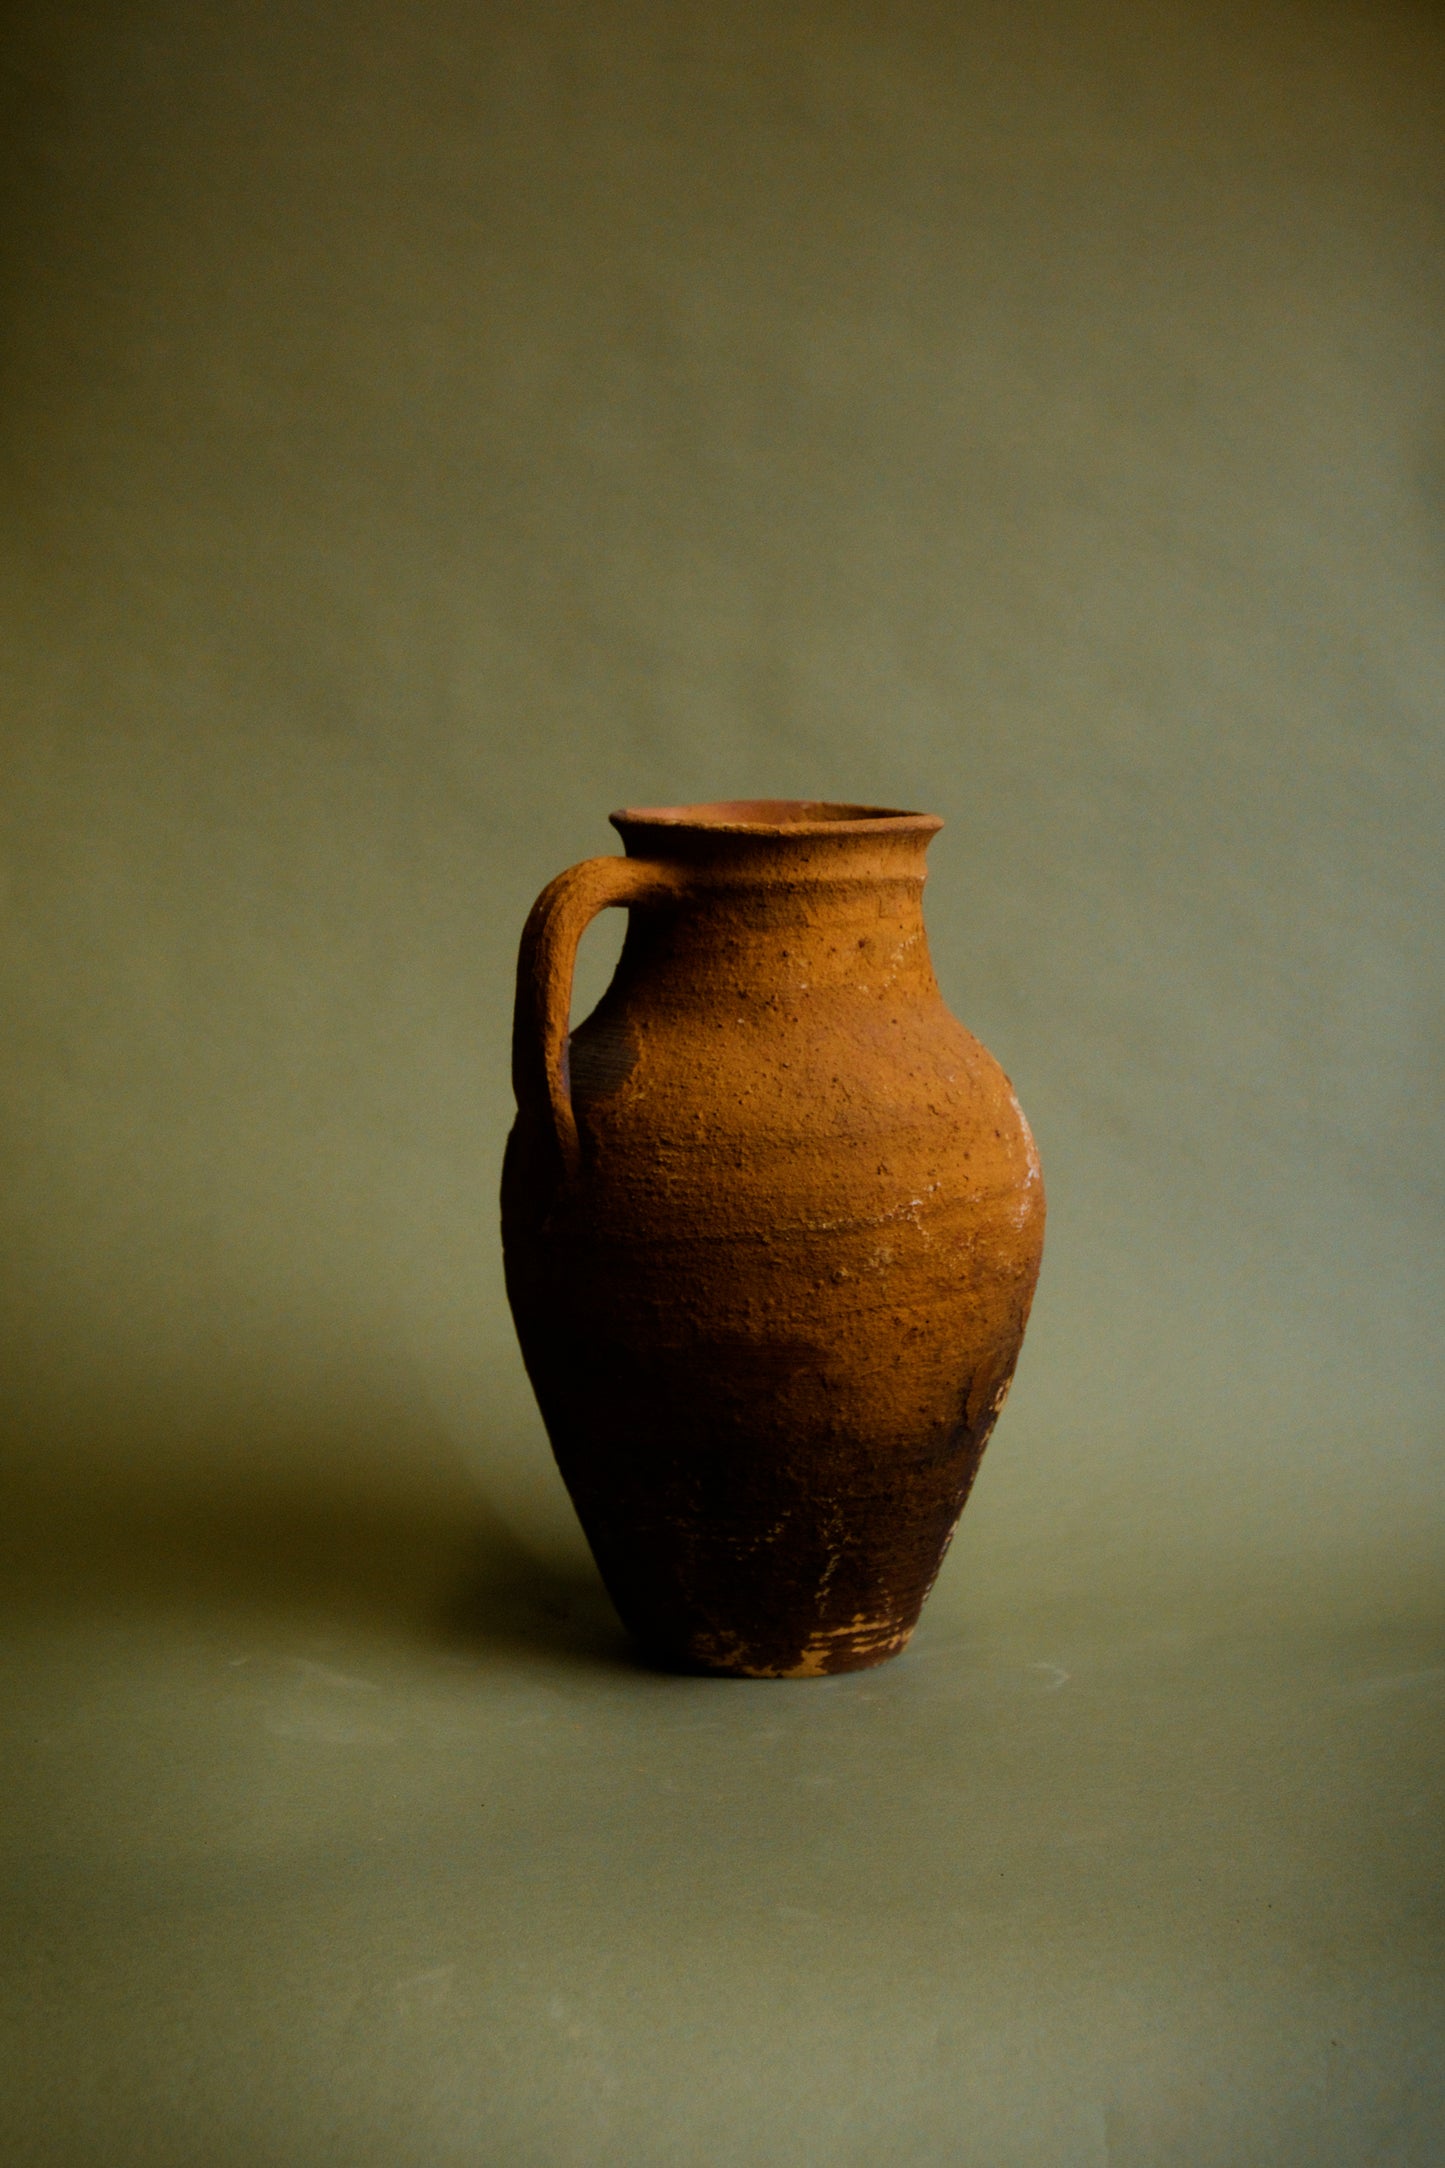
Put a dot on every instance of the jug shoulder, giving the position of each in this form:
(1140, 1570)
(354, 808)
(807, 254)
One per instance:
(773, 1072)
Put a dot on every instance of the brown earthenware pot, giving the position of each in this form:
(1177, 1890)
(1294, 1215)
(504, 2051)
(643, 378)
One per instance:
(772, 1223)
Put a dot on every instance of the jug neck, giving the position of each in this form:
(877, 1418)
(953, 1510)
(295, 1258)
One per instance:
(781, 897)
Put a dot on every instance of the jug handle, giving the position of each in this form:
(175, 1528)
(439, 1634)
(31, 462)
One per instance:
(540, 1020)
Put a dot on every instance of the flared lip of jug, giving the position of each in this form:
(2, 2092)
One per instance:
(779, 817)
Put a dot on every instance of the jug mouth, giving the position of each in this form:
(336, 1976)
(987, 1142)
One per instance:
(780, 817)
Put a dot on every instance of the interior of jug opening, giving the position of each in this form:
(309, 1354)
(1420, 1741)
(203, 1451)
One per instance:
(768, 814)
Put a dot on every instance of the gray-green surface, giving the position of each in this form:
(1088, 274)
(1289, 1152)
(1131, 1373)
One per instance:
(329, 1856)
(424, 429)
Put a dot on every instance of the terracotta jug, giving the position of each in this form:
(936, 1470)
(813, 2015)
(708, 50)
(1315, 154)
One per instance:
(772, 1223)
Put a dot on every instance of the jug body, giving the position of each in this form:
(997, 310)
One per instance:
(772, 1221)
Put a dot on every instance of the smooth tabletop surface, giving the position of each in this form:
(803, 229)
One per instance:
(375, 1845)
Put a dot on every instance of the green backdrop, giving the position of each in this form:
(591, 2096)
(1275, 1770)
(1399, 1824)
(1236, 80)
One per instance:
(425, 428)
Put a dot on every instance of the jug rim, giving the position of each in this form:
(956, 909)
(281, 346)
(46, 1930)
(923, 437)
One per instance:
(779, 817)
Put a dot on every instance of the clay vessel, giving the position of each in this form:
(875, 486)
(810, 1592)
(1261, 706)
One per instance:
(772, 1223)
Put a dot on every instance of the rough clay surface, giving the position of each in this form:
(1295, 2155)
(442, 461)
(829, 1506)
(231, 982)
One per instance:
(772, 1295)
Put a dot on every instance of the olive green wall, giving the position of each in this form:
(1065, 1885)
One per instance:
(428, 427)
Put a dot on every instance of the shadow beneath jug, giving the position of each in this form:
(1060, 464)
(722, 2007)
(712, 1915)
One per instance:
(323, 1530)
